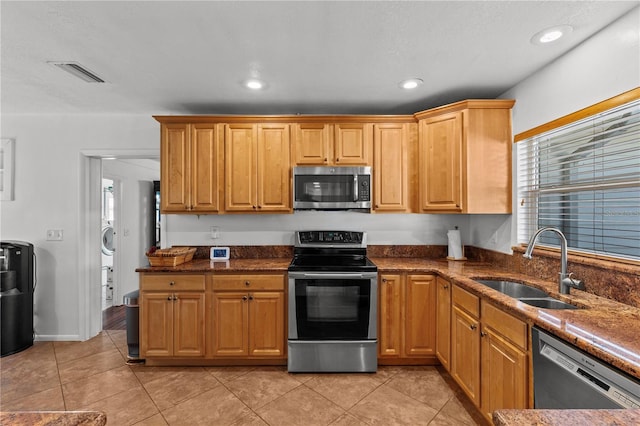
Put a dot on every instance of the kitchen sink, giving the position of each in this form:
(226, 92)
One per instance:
(514, 289)
(548, 303)
(527, 294)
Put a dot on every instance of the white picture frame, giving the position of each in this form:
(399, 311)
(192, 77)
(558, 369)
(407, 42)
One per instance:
(6, 169)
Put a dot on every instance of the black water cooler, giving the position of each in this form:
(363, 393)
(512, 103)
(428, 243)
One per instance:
(17, 275)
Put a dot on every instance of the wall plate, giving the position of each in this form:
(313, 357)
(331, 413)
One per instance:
(219, 253)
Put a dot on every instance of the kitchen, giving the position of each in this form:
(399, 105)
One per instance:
(62, 306)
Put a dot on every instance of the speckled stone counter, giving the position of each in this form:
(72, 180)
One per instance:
(566, 417)
(51, 418)
(233, 265)
(604, 328)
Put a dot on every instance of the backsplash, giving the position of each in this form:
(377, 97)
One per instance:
(604, 278)
(615, 281)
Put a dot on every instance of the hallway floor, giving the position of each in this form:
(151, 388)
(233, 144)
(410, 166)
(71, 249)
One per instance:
(93, 375)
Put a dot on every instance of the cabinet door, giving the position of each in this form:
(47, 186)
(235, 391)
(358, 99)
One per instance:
(206, 166)
(175, 168)
(312, 143)
(440, 152)
(390, 318)
(390, 167)
(443, 322)
(156, 324)
(240, 167)
(231, 324)
(353, 144)
(465, 353)
(274, 168)
(188, 326)
(420, 316)
(504, 374)
(266, 324)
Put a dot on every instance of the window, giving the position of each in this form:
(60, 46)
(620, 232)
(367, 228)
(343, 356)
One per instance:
(583, 177)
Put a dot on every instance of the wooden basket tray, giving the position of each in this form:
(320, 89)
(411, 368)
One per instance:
(171, 256)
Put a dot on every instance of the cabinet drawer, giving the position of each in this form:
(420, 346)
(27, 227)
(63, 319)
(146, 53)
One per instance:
(248, 282)
(505, 324)
(467, 301)
(172, 282)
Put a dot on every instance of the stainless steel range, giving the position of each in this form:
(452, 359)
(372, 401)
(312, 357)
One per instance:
(333, 303)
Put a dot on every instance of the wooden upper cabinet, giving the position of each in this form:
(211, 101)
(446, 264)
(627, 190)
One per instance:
(321, 144)
(190, 168)
(274, 168)
(353, 144)
(257, 168)
(175, 168)
(441, 163)
(391, 167)
(465, 157)
(313, 143)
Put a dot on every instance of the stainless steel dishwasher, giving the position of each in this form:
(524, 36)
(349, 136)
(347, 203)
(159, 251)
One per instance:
(566, 377)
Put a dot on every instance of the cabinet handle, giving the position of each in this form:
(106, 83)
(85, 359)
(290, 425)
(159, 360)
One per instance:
(384, 280)
(247, 283)
(325, 160)
(254, 207)
(338, 160)
(244, 298)
(482, 334)
(172, 282)
(175, 298)
(169, 298)
(250, 297)
(446, 286)
(473, 326)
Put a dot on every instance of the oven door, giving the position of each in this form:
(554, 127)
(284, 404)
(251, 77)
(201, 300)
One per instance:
(333, 306)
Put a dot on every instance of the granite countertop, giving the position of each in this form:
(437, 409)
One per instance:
(58, 418)
(566, 417)
(276, 264)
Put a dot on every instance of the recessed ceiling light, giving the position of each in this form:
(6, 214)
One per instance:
(411, 83)
(79, 71)
(254, 84)
(552, 34)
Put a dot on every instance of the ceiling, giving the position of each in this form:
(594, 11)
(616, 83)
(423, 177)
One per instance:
(317, 57)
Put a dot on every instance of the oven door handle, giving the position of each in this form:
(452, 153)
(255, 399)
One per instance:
(339, 275)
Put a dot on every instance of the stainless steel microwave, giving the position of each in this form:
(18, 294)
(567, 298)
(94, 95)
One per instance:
(332, 188)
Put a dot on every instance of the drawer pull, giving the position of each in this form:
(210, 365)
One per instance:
(244, 298)
(172, 283)
(247, 283)
(169, 298)
(250, 297)
(473, 326)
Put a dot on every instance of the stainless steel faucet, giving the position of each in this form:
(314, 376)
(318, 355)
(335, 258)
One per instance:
(565, 282)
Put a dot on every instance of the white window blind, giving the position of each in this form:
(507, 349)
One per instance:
(584, 179)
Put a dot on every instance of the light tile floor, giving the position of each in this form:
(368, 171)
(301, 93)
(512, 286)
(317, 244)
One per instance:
(93, 375)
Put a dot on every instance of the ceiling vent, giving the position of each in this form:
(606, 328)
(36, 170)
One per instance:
(79, 71)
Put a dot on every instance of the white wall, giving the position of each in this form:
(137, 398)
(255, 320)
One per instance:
(47, 187)
(602, 67)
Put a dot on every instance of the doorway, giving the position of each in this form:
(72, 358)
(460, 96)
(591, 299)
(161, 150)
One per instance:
(133, 173)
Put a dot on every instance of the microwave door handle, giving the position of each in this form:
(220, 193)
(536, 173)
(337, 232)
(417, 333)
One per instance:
(355, 187)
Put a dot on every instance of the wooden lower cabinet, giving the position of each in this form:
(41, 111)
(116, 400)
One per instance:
(406, 318)
(251, 322)
(489, 354)
(172, 322)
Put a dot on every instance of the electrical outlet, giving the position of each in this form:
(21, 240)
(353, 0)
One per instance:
(55, 234)
(215, 232)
